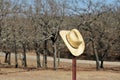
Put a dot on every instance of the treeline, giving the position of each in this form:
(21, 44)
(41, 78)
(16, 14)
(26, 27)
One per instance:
(35, 26)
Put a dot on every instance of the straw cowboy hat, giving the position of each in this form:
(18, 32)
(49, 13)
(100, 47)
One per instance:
(73, 40)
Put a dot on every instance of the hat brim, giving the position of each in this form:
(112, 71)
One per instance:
(74, 51)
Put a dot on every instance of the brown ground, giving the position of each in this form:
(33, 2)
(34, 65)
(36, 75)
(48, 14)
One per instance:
(84, 72)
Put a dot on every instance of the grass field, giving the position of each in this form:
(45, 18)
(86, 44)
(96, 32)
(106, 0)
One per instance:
(85, 71)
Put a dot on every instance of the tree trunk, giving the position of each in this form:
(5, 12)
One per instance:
(101, 66)
(45, 55)
(36, 47)
(0, 30)
(103, 57)
(9, 59)
(38, 59)
(96, 55)
(24, 61)
(16, 59)
(55, 56)
(58, 58)
(6, 57)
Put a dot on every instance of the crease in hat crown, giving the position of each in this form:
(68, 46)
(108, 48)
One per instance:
(73, 38)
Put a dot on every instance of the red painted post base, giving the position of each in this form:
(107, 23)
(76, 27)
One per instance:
(74, 68)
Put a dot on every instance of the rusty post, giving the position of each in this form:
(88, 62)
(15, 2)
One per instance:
(74, 68)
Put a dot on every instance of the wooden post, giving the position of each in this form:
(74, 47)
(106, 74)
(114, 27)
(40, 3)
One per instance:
(74, 68)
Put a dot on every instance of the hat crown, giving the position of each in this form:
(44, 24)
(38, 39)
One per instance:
(73, 38)
(74, 41)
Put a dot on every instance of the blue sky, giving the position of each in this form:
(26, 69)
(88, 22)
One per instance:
(71, 3)
(110, 1)
(106, 1)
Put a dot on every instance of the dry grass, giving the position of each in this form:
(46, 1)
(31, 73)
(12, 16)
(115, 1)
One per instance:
(84, 72)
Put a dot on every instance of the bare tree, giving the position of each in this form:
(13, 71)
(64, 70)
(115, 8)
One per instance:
(92, 22)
